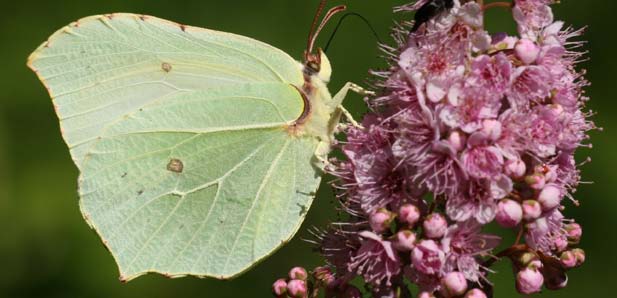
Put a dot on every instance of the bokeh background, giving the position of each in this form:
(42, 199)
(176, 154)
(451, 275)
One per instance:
(47, 250)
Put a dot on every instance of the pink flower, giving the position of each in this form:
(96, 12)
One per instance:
(376, 260)
(490, 76)
(532, 16)
(462, 244)
(529, 85)
(482, 162)
(476, 202)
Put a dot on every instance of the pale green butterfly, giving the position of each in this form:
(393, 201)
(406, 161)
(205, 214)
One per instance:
(199, 151)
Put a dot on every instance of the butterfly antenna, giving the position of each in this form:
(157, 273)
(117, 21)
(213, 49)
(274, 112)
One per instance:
(340, 22)
(315, 29)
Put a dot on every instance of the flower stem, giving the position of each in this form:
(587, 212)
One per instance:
(504, 253)
(520, 235)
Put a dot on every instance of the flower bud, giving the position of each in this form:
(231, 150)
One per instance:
(409, 214)
(298, 273)
(279, 288)
(324, 275)
(475, 293)
(453, 284)
(580, 256)
(515, 168)
(405, 240)
(435, 226)
(526, 259)
(568, 259)
(457, 140)
(535, 264)
(297, 288)
(509, 213)
(492, 129)
(532, 210)
(352, 292)
(527, 51)
(574, 232)
(380, 220)
(536, 181)
(529, 281)
(556, 110)
(560, 243)
(426, 295)
(549, 197)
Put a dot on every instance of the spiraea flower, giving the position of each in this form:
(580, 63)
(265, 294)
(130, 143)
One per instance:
(468, 127)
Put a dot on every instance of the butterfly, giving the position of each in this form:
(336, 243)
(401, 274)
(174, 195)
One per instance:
(429, 10)
(199, 151)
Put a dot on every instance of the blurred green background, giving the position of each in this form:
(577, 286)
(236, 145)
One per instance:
(47, 250)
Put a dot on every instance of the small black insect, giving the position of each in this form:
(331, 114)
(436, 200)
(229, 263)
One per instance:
(429, 10)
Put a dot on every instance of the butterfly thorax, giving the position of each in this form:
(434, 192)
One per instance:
(320, 117)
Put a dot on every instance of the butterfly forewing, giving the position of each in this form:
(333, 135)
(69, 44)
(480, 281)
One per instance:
(100, 68)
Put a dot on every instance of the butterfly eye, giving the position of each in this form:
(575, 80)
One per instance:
(313, 66)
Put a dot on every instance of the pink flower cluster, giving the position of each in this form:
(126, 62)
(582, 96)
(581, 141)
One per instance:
(469, 128)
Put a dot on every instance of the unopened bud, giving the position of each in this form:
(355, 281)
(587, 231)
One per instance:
(405, 240)
(453, 284)
(409, 214)
(279, 288)
(527, 259)
(560, 243)
(380, 220)
(475, 293)
(492, 129)
(532, 210)
(529, 281)
(536, 181)
(297, 288)
(550, 197)
(426, 295)
(298, 273)
(568, 259)
(527, 51)
(457, 140)
(574, 232)
(580, 256)
(324, 275)
(509, 213)
(515, 168)
(435, 226)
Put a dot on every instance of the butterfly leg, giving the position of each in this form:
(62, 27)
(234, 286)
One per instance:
(337, 100)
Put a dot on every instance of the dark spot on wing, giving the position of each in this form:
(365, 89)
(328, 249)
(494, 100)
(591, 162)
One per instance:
(166, 67)
(139, 192)
(183, 28)
(124, 174)
(175, 165)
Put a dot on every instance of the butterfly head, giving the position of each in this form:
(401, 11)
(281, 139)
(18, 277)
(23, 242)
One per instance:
(318, 65)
